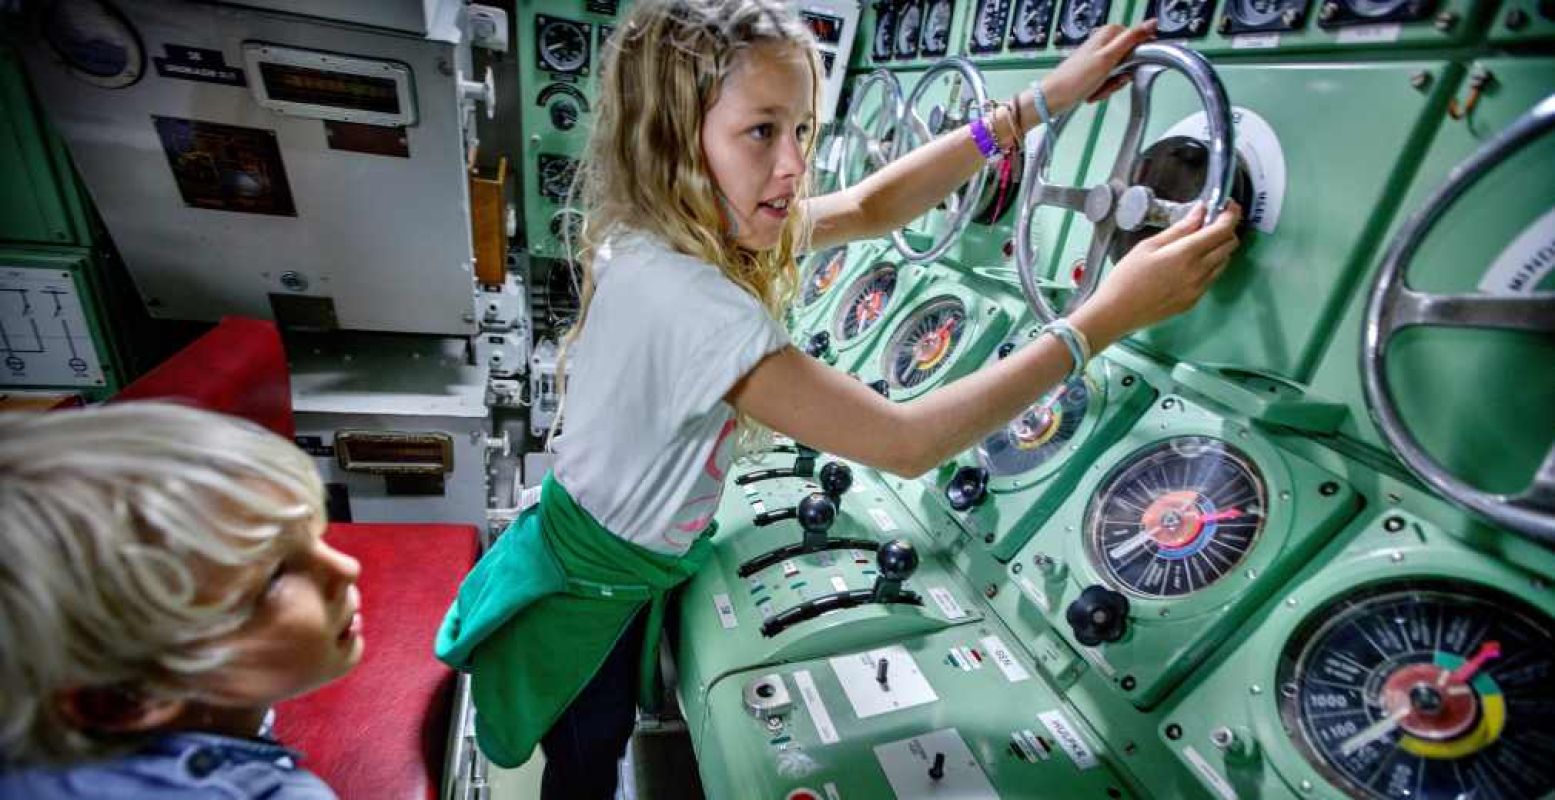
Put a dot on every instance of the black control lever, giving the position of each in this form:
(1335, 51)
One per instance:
(896, 560)
(815, 513)
(804, 467)
(836, 479)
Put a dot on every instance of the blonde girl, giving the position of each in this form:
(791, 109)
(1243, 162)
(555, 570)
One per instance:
(693, 188)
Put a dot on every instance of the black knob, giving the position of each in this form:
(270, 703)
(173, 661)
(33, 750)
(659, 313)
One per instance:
(937, 770)
(836, 478)
(564, 115)
(896, 559)
(816, 513)
(1098, 615)
(967, 488)
(881, 388)
(818, 345)
(1006, 349)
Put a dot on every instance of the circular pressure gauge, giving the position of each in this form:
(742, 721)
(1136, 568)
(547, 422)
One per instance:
(1263, 15)
(936, 27)
(563, 45)
(1430, 689)
(865, 303)
(885, 22)
(1180, 18)
(96, 41)
(909, 24)
(1029, 29)
(1176, 516)
(1080, 17)
(823, 270)
(988, 25)
(924, 343)
(1041, 432)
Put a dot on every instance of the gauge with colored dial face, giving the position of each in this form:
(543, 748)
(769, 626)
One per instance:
(1424, 689)
(936, 27)
(925, 343)
(1039, 434)
(865, 303)
(825, 268)
(1176, 516)
(562, 45)
(1079, 18)
(1029, 29)
(909, 26)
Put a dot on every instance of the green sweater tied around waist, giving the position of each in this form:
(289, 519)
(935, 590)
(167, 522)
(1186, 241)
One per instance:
(538, 615)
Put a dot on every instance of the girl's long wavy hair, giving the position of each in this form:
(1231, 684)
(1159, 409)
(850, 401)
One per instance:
(643, 168)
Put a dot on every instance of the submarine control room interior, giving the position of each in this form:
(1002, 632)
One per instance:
(1295, 543)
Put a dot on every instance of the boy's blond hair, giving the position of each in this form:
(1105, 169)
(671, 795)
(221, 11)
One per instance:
(107, 518)
(643, 167)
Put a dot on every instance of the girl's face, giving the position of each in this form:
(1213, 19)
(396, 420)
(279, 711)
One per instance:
(753, 138)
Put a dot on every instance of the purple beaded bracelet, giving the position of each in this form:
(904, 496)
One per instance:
(984, 138)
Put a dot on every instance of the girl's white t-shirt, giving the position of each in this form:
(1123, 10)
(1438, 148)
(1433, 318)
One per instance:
(648, 437)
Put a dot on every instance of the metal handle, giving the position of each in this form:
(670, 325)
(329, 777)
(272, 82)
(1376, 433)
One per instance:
(913, 130)
(1393, 306)
(1117, 205)
(870, 135)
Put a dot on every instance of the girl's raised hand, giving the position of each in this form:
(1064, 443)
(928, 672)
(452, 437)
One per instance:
(1083, 75)
(1162, 276)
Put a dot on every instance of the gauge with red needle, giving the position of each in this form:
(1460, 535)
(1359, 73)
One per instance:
(924, 343)
(1176, 516)
(824, 268)
(1439, 689)
(864, 303)
(1040, 433)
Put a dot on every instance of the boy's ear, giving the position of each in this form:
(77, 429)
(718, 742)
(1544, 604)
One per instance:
(115, 709)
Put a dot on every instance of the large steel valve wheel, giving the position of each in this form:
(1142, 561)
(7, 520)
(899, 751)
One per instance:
(1117, 207)
(869, 127)
(1393, 306)
(917, 127)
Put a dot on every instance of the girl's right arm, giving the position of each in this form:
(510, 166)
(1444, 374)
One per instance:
(826, 409)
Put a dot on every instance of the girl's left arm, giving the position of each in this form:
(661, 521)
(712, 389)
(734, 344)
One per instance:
(909, 186)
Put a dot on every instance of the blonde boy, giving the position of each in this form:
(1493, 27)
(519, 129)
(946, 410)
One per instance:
(163, 584)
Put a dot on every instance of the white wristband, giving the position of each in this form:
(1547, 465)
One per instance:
(1040, 101)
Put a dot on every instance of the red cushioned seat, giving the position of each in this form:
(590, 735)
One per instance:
(381, 731)
(237, 368)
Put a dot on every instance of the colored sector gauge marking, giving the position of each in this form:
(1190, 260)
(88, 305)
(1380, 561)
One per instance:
(1424, 690)
(1039, 433)
(825, 269)
(924, 343)
(1176, 516)
(865, 303)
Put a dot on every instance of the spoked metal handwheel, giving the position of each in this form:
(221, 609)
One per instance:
(1393, 306)
(918, 126)
(1116, 205)
(870, 125)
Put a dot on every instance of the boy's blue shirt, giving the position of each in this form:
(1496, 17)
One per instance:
(176, 766)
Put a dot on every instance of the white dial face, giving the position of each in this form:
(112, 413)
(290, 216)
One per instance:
(936, 32)
(564, 46)
(907, 28)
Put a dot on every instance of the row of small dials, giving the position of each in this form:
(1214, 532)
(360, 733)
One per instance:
(906, 29)
(1024, 25)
